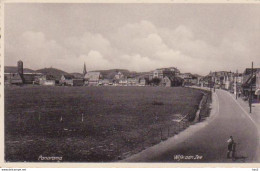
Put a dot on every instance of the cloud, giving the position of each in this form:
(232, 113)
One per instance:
(95, 61)
(133, 37)
(87, 42)
(140, 46)
(36, 51)
(125, 37)
(161, 47)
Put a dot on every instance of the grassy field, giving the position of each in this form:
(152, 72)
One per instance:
(92, 124)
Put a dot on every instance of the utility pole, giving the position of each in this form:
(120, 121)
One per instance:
(236, 83)
(210, 85)
(215, 81)
(210, 80)
(251, 89)
(214, 84)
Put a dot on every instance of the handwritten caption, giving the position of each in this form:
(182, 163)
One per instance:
(43, 158)
(189, 157)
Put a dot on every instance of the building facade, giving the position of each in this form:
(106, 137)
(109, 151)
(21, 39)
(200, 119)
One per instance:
(92, 78)
(251, 81)
(67, 80)
(18, 76)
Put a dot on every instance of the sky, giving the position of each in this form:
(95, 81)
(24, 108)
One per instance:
(195, 38)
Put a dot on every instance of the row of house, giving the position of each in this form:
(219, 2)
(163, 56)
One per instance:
(235, 82)
(173, 77)
(96, 79)
(20, 77)
(251, 81)
(167, 77)
(221, 79)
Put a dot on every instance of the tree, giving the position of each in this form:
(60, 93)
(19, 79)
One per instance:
(84, 70)
(155, 81)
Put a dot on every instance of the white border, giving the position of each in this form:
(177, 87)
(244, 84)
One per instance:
(4, 164)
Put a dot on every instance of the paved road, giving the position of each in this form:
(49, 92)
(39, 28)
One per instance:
(208, 138)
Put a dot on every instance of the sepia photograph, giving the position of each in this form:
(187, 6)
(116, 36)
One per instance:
(131, 82)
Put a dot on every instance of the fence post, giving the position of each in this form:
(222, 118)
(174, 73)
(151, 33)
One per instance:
(19, 118)
(161, 132)
(143, 142)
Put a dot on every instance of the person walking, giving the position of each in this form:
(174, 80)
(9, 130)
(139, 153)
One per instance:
(230, 142)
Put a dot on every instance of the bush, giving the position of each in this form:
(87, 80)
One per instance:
(155, 81)
(157, 103)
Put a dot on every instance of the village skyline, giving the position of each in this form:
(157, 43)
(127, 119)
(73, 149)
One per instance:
(134, 37)
(120, 69)
(130, 83)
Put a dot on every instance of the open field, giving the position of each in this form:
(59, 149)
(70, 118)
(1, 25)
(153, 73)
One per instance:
(93, 124)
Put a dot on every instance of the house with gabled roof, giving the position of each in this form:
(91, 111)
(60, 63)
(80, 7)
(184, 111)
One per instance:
(66, 80)
(48, 80)
(143, 81)
(172, 81)
(253, 80)
(92, 78)
(257, 90)
(19, 75)
(13, 78)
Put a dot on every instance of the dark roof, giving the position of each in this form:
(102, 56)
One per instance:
(174, 78)
(169, 69)
(28, 78)
(170, 77)
(50, 77)
(77, 75)
(78, 80)
(238, 74)
(53, 71)
(16, 79)
(206, 78)
(219, 73)
(68, 77)
(248, 70)
(249, 80)
(143, 78)
(170, 74)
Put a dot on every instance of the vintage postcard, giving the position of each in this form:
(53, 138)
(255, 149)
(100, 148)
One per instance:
(135, 84)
